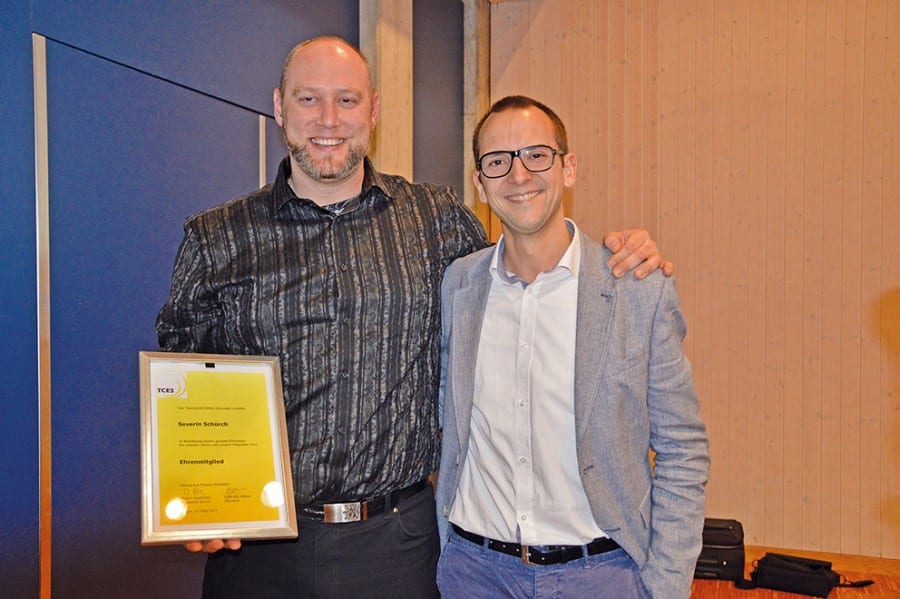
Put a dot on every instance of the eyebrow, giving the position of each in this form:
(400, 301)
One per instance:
(314, 89)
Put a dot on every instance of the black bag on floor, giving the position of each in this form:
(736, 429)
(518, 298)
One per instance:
(722, 556)
(796, 575)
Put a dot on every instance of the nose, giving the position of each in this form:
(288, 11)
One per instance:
(518, 173)
(328, 115)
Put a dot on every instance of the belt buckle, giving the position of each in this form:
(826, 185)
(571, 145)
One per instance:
(337, 513)
(526, 555)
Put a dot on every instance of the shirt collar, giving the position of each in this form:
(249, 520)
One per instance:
(570, 260)
(282, 192)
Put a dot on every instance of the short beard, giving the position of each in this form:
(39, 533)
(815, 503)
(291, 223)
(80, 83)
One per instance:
(326, 170)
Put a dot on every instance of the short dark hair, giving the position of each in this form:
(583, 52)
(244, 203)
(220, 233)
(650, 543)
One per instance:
(511, 102)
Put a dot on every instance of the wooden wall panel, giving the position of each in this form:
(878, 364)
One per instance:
(832, 465)
(875, 124)
(793, 285)
(757, 140)
(385, 36)
(772, 291)
(703, 180)
(719, 407)
(887, 307)
(813, 278)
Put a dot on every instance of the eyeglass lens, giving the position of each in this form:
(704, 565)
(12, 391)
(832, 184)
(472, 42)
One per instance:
(534, 158)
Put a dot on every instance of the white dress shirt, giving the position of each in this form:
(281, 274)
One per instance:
(520, 481)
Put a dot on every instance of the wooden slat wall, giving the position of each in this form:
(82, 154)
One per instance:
(385, 37)
(758, 141)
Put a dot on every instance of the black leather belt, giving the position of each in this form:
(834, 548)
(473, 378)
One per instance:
(356, 511)
(554, 554)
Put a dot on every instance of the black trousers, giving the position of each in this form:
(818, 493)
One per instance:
(390, 555)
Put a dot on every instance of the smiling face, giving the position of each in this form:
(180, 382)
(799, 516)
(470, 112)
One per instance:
(526, 203)
(327, 110)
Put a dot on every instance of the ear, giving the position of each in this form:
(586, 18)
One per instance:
(476, 180)
(570, 169)
(376, 107)
(278, 108)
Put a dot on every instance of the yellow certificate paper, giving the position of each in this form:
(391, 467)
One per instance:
(214, 449)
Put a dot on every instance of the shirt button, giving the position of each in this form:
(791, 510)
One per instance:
(522, 460)
(523, 517)
(524, 346)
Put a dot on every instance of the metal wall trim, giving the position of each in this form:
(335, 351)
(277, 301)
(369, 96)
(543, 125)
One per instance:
(42, 224)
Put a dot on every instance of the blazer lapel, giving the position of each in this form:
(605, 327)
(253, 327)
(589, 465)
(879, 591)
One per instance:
(596, 304)
(469, 304)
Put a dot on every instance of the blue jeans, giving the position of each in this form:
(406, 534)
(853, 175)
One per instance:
(466, 570)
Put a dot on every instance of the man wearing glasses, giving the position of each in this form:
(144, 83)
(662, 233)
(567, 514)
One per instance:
(557, 381)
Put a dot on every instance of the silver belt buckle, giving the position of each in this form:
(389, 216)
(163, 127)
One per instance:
(337, 513)
(526, 555)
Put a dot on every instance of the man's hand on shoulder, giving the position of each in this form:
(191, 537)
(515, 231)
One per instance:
(212, 545)
(634, 250)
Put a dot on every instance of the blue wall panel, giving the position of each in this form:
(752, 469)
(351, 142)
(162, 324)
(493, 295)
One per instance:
(130, 157)
(18, 307)
(230, 49)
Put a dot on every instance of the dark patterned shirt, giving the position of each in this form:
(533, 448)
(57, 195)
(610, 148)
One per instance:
(348, 297)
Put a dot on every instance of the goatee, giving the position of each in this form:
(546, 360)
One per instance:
(328, 169)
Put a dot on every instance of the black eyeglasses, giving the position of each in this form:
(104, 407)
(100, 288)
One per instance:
(536, 159)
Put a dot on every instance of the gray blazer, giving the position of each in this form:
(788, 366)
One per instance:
(633, 393)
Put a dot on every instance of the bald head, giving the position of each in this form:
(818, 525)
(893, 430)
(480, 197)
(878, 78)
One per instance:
(326, 48)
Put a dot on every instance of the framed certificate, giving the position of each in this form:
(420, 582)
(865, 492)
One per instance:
(214, 455)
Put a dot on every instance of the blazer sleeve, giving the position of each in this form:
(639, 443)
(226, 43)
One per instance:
(678, 438)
